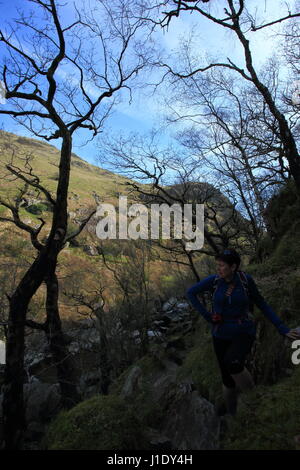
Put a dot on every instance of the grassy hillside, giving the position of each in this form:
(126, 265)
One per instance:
(44, 158)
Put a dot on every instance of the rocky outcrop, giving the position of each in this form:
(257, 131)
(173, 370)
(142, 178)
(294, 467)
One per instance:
(188, 421)
(42, 403)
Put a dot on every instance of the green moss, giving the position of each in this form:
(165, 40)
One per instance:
(149, 366)
(38, 208)
(268, 418)
(100, 423)
(201, 365)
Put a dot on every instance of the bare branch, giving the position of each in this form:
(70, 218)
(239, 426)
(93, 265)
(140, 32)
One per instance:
(81, 227)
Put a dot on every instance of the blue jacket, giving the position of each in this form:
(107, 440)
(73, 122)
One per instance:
(234, 306)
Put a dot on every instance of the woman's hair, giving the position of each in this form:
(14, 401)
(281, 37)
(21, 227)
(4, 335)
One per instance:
(230, 257)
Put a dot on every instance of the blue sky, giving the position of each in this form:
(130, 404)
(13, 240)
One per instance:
(146, 110)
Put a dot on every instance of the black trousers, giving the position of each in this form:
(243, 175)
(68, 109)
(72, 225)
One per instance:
(231, 355)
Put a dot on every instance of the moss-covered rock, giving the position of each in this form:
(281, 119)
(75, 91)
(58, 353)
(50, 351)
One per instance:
(268, 418)
(100, 423)
(201, 365)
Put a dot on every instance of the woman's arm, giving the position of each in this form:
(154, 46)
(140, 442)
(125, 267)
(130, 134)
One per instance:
(265, 308)
(202, 286)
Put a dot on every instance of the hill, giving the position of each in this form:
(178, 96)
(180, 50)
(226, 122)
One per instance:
(86, 179)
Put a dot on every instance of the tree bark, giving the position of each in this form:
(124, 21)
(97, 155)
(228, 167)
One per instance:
(13, 403)
(66, 371)
(45, 263)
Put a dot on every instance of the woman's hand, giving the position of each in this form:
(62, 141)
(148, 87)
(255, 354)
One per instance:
(293, 334)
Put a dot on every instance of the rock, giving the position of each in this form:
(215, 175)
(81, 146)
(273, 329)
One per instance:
(73, 196)
(169, 304)
(43, 368)
(72, 214)
(85, 337)
(182, 306)
(135, 334)
(167, 319)
(100, 423)
(176, 342)
(34, 430)
(74, 348)
(89, 383)
(158, 442)
(191, 422)
(90, 250)
(154, 334)
(131, 383)
(166, 379)
(42, 401)
(188, 421)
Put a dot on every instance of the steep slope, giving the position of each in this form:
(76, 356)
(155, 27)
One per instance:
(85, 180)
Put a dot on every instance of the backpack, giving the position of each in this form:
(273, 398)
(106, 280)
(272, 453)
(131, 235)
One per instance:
(244, 282)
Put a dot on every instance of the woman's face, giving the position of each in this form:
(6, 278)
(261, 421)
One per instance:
(224, 269)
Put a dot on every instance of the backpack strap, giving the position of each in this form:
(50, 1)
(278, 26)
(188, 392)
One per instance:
(244, 281)
(213, 291)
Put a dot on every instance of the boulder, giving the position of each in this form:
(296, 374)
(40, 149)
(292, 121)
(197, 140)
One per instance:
(191, 422)
(182, 306)
(42, 401)
(100, 423)
(131, 383)
(90, 250)
(169, 304)
(89, 384)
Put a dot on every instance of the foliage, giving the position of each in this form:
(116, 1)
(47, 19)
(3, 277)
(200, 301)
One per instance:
(100, 423)
(268, 418)
(37, 209)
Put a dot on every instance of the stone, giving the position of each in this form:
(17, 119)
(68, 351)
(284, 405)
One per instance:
(182, 306)
(34, 430)
(153, 334)
(169, 304)
(191, 422)
(90, 250)
(131, 383)
(42, 401)
(158, 442)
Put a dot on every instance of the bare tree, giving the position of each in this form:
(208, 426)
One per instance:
(235, 17)
(58, 85)
(228, 128)
(141, 159)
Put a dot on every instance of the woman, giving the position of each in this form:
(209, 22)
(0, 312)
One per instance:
(233, 330)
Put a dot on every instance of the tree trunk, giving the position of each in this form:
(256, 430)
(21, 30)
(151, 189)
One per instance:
(66, 371)
(45, 263)
(13, 406)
